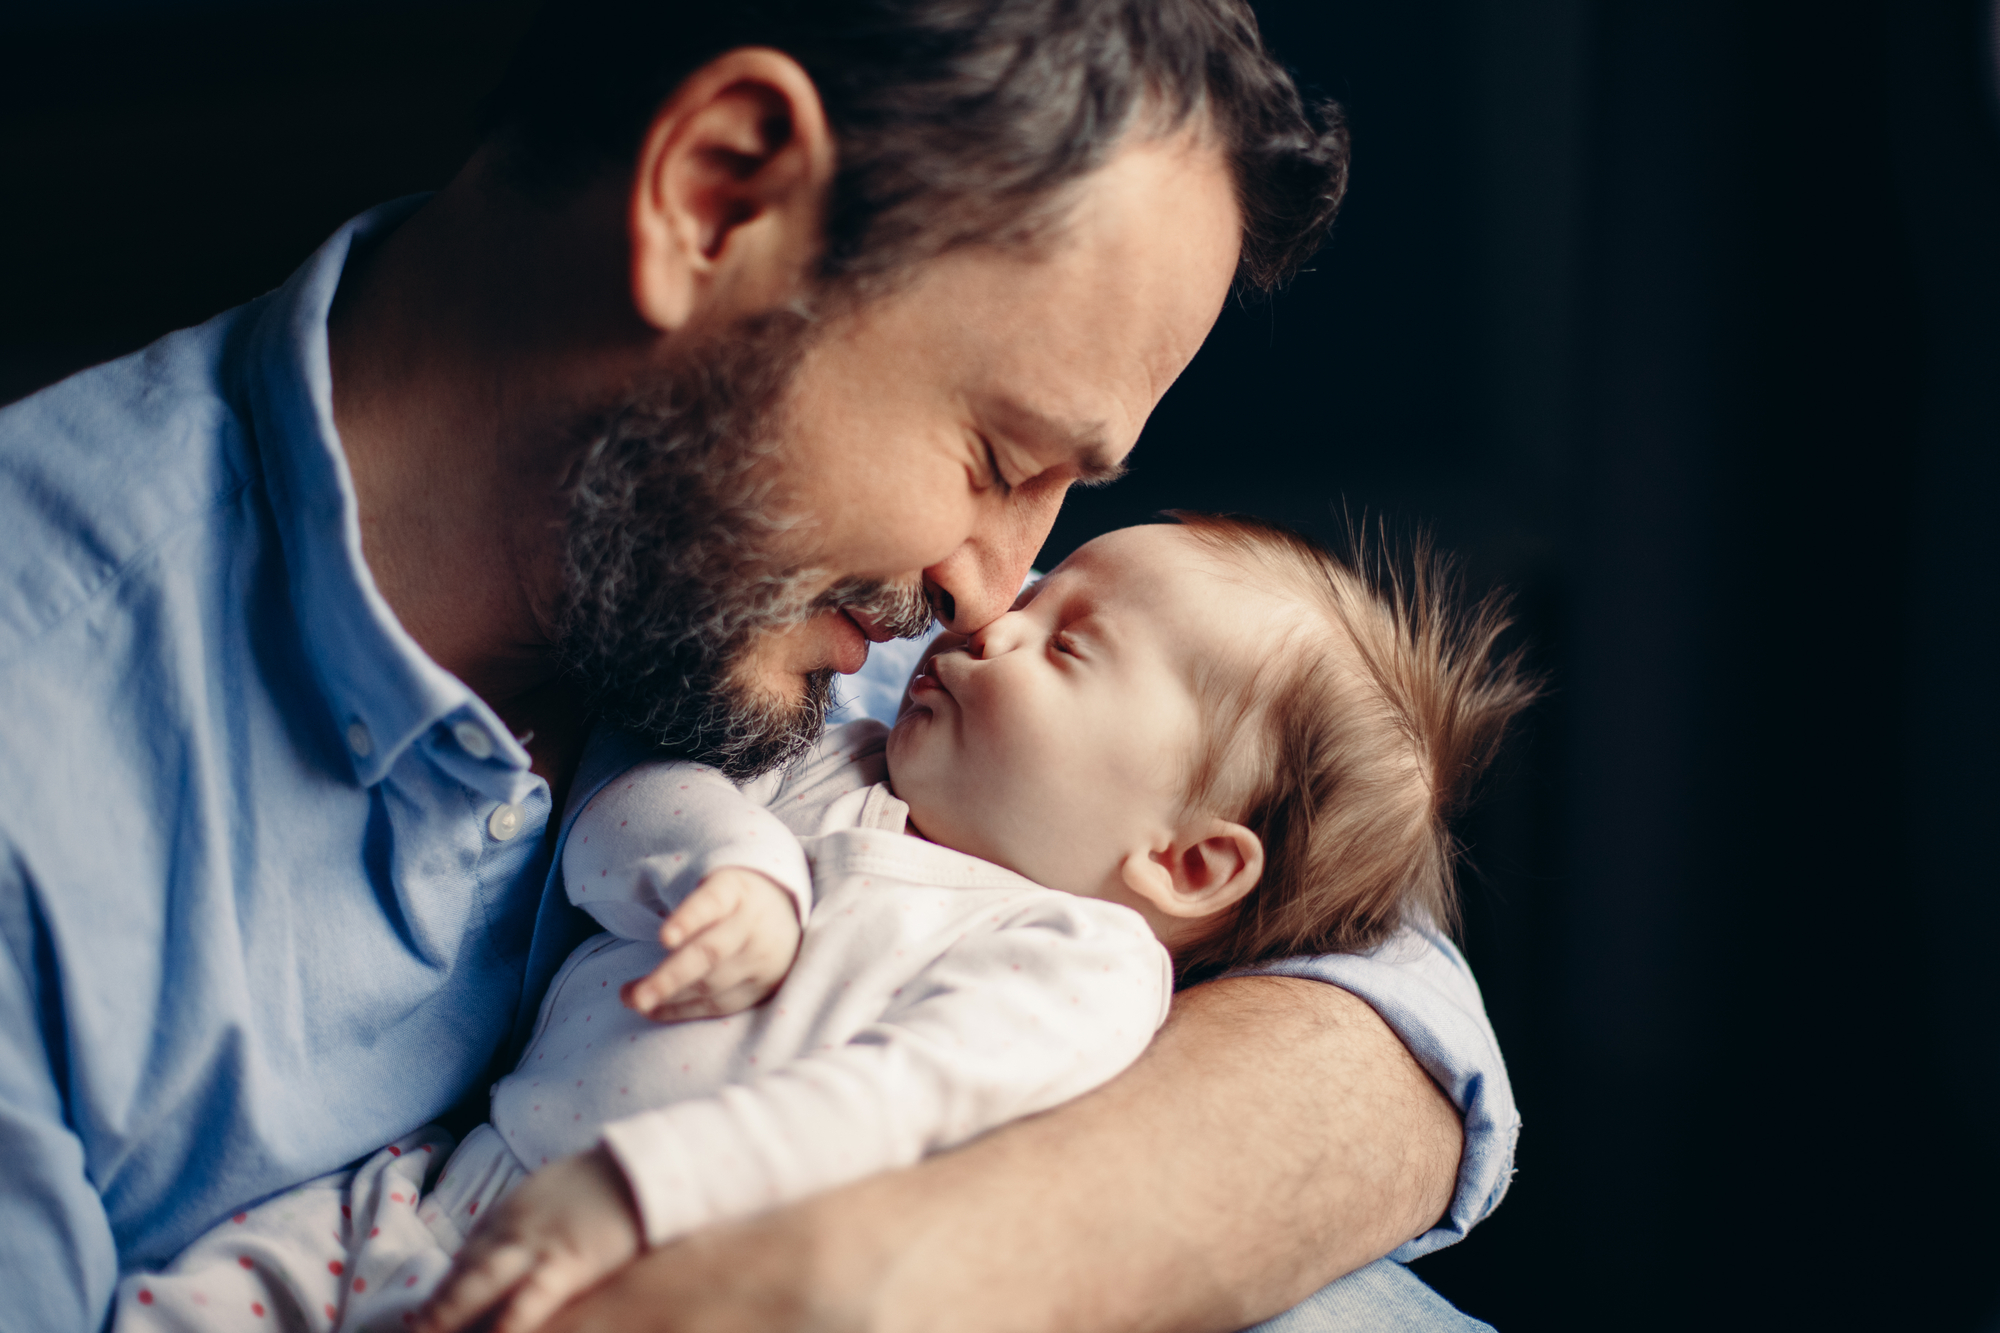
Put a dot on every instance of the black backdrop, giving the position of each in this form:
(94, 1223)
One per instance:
(1681, 318)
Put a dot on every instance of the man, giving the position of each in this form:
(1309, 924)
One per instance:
(749, 335)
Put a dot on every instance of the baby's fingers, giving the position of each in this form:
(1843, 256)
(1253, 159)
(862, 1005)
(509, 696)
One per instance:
(719, 895)
(706, 978)
(723, 1000)
(652, 993)
(684, 975)
(738, 978)
(469, 1291)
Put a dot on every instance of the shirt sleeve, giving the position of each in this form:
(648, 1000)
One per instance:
(58, 1260)
(1005, 1023)
(650, 836)
(1421, 986)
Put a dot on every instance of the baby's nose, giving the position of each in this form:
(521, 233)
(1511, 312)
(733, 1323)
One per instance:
(995, 637)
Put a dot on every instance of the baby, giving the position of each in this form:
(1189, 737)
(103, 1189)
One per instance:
(1210, 743)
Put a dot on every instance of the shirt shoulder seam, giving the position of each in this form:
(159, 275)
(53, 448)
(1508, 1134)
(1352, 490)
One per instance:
(28, 644)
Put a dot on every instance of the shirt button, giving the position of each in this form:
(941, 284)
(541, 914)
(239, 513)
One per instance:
(504, 822)
(359, 741)
(472, 739)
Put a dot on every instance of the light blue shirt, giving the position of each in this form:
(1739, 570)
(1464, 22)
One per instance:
(275, 887)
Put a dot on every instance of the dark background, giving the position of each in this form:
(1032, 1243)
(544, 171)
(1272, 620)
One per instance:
(1680, 318)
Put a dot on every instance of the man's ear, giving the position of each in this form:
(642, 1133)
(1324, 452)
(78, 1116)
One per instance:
(1205, 870)
(726, 205)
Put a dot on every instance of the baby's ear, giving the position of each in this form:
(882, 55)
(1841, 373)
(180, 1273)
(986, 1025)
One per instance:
(1205, 870)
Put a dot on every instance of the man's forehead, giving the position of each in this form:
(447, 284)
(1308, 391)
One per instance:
(1083, 335)
(1161, 223)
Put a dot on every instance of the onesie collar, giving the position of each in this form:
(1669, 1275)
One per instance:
(883, 809)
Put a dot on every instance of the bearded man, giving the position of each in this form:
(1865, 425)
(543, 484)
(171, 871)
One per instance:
(749, 335)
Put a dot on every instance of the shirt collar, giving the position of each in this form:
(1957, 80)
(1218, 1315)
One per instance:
(383, 690)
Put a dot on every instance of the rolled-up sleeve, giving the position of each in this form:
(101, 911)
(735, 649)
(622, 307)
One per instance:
(1421, 986)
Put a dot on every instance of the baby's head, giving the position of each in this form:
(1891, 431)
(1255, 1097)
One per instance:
(1253, 743)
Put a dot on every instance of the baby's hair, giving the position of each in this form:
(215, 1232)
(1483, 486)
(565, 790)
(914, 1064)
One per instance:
(1349, 745)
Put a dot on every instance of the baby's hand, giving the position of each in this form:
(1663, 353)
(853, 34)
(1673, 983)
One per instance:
(730, 943)
(564, 1230)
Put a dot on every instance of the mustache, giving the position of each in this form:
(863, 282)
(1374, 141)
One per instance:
(901, 610)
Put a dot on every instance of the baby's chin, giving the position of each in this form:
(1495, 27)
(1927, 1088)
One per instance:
(935, 823)
(935, 815)
(930, 814)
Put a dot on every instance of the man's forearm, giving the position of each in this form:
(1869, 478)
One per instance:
(1275, 1136)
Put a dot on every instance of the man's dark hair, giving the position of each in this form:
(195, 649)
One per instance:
(956, 121)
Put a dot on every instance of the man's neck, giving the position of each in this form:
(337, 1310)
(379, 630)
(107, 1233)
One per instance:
(461, 346)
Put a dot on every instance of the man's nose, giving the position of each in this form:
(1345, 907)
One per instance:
(976, 583)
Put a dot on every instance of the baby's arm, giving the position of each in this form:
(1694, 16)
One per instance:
(1005, 1023)
(678, 841)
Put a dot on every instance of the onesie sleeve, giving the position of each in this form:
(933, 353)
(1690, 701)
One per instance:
(1005, 1022)
(1423, 989)
(649, 838)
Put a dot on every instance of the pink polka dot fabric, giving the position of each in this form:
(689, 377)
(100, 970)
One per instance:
(344, 1252)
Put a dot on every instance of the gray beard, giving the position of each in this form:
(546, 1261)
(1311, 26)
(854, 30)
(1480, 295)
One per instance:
(671, 572)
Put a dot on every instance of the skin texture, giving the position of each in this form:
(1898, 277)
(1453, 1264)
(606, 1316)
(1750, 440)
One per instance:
(931, 435)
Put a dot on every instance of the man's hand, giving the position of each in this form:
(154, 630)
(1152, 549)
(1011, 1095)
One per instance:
(568, 1225)
(1275, 1136)
(729, 945)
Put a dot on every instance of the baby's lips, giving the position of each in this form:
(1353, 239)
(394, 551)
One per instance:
(925, 679)
(926, 670)
(948, 669)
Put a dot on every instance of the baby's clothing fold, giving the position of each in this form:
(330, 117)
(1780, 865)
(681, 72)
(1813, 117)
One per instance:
(935, 996)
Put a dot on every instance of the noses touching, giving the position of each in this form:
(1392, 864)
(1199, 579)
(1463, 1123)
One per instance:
(978, 581)
(968, 603)
(997, 637)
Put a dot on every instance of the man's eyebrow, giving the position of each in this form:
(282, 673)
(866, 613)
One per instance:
(1082, 440)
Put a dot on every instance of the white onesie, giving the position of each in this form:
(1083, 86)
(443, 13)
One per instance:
(935, 996)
